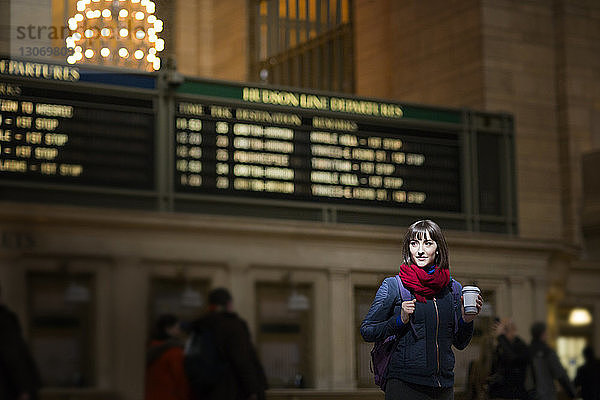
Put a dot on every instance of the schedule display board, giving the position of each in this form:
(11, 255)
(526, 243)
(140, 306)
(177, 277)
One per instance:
(297, 146)
(83, 135)
(55, 130)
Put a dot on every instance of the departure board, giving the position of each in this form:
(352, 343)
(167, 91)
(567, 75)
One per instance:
(312, 156)
(106, 137)
(56, 132)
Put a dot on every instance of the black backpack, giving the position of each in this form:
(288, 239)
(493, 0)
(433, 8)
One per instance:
(203, 361)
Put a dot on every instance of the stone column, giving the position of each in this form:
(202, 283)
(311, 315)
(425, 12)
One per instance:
(520, 300)
(503, 301)
(342, 347)
(539, 298)
(242, 291)
(130, 304)
(596, 325)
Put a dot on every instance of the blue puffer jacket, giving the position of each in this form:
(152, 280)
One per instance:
(424, 352)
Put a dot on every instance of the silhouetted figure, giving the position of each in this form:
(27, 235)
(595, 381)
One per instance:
(509, 366)
(587, 379)
(546, 366)
(237, 373)
(165, 376)
(479, 370)
(19, 376)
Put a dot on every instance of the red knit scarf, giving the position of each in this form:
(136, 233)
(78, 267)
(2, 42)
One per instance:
(423, 284)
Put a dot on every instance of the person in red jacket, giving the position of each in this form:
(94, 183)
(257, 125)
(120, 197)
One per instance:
(165, 375)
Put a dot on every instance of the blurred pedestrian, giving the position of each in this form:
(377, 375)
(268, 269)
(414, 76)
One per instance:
(19, 376)
(546, 366)
(479, 370)
(427, 324)
(235, 372)
(165, 375)
(587, 379)
(510, 363)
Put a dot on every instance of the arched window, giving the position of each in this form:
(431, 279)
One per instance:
(302, 43)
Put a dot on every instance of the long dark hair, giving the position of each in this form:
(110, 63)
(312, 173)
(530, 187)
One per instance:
(417, 231)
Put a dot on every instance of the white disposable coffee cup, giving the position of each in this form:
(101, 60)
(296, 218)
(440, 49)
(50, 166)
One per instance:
(470, 294)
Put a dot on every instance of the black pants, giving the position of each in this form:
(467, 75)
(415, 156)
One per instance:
(395, 389)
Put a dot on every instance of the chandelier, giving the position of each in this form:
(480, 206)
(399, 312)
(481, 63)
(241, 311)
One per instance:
(122, 33)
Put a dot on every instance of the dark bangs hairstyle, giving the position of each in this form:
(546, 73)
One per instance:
(417, 231)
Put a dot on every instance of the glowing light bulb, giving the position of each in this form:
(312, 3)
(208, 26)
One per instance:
(156, 64)
(77, 36)
(123, 32)
(105, 32)
(139, 54)
(90, 14)
(70, 42)
(78, 49)
(158, 25)
(71, 60)
(151, 32)
(123, 13)
(580, 317)
(78, 56)
(78, 17)
(151, 19)
(105, 52)
(123, 52)
(160, 45)
(150, 7)
(89, 33)
(106, 13)
(139, 15)
(135, 1)
(150, 57)
(97, 14)
(152, 51)
(140, 34)
(89, 53)
(80, 6)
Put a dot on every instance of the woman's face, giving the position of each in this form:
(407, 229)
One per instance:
(422, 251)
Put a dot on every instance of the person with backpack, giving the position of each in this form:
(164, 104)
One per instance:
(165, 376)
(220, 360)
(416, 317)
(546, 366)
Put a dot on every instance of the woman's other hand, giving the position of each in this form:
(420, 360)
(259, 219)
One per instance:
(470, 317)
(408, 307)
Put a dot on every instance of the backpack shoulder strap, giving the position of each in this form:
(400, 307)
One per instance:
(456, 290)
(405, 295)
(456, 293)
(402, 290)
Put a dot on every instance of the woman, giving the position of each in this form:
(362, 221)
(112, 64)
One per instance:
(427, 325)
(165, 376)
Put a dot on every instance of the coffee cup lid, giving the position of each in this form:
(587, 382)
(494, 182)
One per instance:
(471, 288)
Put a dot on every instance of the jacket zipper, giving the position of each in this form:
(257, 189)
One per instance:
(437, 347)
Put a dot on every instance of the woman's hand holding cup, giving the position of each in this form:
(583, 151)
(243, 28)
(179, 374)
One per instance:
(471, 316)
(408, 307)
